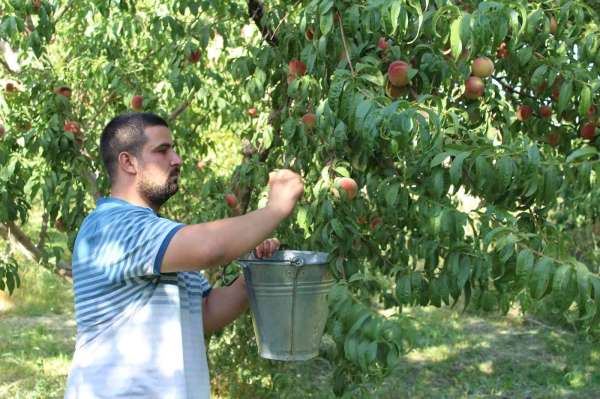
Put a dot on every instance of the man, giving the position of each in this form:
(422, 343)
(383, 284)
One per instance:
(141, 303)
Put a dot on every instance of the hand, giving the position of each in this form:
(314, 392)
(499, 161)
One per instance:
(267, 248)
(286, 188)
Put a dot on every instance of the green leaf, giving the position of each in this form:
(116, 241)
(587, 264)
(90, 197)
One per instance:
(566, 91)
(505, 170)
(403, 289)
(464, 271)
(456, 168)
(391, 195)
(581, 152)
(350, 349)
(394, 14)
(338, 228)
(524, 55)
(539, 75)
(562, 278)
(541, 276)
(455, 41)
(595, 283)
(585, 100)
(325, 6)
(583, 280)
(438, 159)
(524, 265)
(326, 23)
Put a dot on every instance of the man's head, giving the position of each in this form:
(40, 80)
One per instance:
(137, 150)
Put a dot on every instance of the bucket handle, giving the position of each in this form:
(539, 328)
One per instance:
(295, 261)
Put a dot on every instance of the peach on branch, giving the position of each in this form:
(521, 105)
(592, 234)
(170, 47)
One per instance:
(295, 68)
(64, 91)
(309, 120)
(348, 185)
(194, 56)
(553, 138)
(482, 67)
(474, 87)
(398, 73)
(588, 131)
(71, 126)
(524, 112)
(231, 200)
(382, 43)
(545, 112)
(137, 102)
(252, 112)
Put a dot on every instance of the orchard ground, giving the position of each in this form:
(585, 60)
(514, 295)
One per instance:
(457, 355)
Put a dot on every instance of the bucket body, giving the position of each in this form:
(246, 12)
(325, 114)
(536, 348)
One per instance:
(288, 301)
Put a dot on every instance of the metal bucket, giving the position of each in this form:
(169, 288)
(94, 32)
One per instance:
(288, 301)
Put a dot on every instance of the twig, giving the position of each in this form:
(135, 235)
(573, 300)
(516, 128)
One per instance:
(279, 24)
(256, 11)
(182, 107)
(339, 18)
(63, 11)
(507, 87)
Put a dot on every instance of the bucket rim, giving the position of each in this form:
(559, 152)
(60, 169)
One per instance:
(287, 257)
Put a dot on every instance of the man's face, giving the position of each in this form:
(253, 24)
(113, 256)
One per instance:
(160, 167)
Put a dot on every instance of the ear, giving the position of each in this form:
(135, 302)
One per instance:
(128, 163)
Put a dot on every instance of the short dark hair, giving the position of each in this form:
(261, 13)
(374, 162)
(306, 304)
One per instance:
(125, 133)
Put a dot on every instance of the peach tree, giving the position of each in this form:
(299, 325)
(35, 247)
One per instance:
(449, 148)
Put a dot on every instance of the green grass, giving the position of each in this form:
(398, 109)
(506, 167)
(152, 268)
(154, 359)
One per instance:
(37, 336)
(470, 356)
(457, 355)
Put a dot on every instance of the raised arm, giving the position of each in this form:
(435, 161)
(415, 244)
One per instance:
(204, 245)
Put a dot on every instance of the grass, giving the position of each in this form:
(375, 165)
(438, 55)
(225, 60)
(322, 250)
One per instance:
(457, 355)
(37, 337)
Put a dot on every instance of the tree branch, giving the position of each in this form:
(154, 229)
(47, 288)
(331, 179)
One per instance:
(511, 89)
(256, 11)
(63, 11)
(28, 248)
(182, 107)
(339, 18)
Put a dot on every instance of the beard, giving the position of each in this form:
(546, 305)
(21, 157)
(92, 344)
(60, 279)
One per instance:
(158, 194)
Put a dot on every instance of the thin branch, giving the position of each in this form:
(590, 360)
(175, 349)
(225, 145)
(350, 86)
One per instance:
(279, 25)
(339, 18)
(63, 11)
(28, 248)
(511, 89)
(256, 11)
(182, 107)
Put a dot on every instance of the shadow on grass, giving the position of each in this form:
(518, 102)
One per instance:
(465, 356)
(35, 353)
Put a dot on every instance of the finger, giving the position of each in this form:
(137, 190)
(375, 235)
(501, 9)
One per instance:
(275, 244)
(271, 248)
(259, 251)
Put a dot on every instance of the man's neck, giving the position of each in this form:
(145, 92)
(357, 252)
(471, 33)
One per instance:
(132, 198)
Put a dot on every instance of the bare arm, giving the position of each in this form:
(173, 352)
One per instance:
(205, 245)
(223, 305)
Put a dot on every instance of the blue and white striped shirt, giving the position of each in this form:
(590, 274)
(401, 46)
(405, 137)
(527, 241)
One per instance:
(139, 332)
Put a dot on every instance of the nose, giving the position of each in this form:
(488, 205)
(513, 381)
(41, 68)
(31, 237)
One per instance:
(176, 161)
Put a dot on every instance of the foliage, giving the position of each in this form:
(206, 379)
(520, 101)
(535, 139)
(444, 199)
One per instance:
(417, 152)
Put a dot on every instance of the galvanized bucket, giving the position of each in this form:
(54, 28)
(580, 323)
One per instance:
(288, 301)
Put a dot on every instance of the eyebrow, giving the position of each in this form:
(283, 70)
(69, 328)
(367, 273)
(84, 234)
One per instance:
(164, 145)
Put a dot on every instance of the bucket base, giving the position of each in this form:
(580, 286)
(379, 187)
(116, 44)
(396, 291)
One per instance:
(288, 357)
